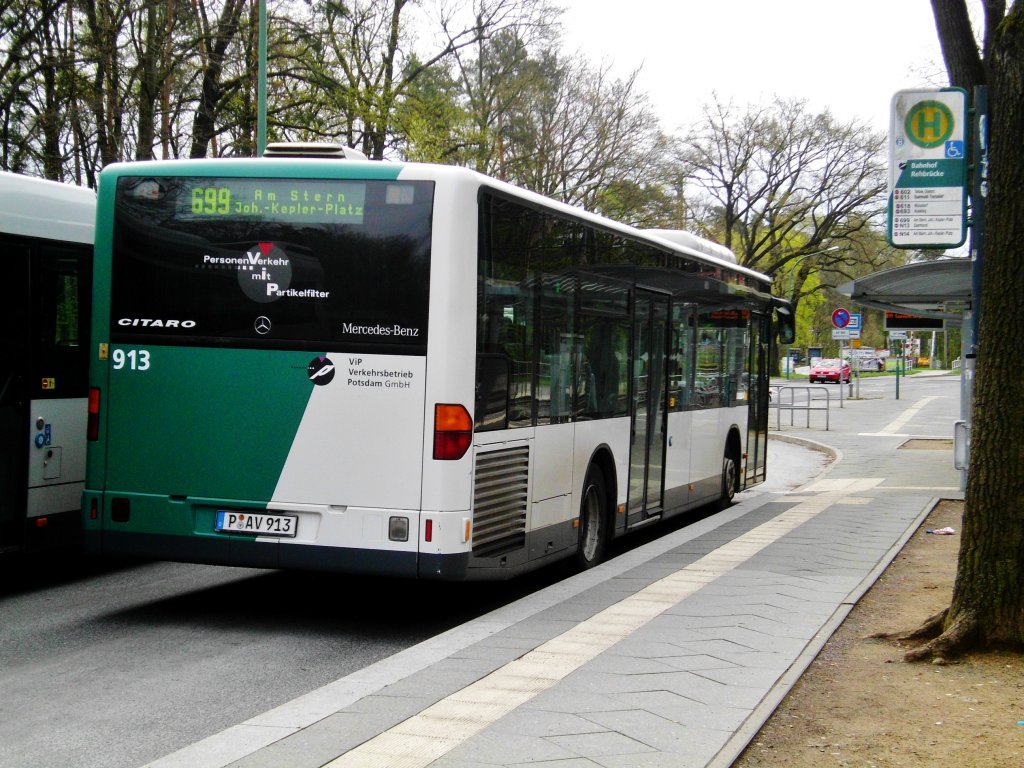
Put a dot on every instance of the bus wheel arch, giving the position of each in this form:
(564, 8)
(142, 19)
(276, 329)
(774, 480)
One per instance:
(730, 469)
(597, 510)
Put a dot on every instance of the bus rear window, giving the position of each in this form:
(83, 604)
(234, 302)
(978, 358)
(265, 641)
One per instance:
(322, 264)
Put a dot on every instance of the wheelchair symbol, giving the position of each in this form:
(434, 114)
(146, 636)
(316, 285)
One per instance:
(954, 150)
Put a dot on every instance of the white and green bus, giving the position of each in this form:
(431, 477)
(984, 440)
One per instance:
(405, 369)
(46, 242)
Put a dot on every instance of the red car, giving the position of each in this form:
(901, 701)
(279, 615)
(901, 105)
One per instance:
(830, 369)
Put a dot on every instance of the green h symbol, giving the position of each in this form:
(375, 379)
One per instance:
(930, 120)
(929, 124)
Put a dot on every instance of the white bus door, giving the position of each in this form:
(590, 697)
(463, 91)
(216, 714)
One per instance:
(757, 420)
(647, 450)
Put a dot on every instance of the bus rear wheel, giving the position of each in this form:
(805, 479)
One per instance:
(593, 521)
(730, 474)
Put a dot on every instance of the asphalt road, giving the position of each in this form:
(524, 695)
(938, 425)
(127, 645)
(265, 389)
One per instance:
(118, 665)
(112, 665)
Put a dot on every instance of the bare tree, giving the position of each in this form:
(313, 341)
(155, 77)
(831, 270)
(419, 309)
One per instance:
(367, 55)
(37, 87)
(157, 58)
(104, 40)
(789, 191)
(585, 135)
(496, 74)
(214, 40)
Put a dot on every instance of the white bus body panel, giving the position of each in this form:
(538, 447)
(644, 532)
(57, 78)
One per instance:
(387, 432)
(350, 527)
(552, 474)
(451, 344)
(56, 467)
(45, 209)
(591, 436)
(679, 449)
(707, 440)
(55, 213)
(354, 436)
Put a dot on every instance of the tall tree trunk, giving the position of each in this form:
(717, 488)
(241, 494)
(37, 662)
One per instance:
(987, 608)
(102, 40)
(149, 82)
(165, 90)
(50, 121)
(990, 583)
(217, 42)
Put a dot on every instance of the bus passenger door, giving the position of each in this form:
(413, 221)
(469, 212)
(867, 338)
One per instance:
(647, 451)
(757, 419)
(15, 342)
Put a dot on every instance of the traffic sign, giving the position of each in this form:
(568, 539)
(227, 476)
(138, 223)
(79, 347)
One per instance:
(840, 318)
(854, 324)
(844, 334)
(928, 168)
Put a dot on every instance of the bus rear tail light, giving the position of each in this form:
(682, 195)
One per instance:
(93, 425)
(453, 431)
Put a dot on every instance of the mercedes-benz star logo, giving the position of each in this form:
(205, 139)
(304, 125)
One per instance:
(262, 325)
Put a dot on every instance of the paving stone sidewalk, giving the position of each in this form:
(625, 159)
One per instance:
(673, 654)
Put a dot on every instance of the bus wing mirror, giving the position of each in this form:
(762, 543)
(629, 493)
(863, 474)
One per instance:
(785, 322)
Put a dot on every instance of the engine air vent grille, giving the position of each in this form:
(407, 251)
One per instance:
(499, 501)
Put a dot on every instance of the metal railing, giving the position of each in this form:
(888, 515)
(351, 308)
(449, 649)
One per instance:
(795, 398)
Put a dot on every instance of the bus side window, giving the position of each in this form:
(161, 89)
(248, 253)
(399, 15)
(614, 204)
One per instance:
(493, 372)
(680, 363)
(709, 384)
(606, 342)
(60, 298)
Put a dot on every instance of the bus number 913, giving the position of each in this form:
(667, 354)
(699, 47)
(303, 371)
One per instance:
(134, 359)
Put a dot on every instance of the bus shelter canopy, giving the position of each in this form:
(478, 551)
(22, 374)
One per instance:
(939, 289)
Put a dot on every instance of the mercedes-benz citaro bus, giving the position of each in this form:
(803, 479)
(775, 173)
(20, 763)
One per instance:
(405, 369)
(46, 233)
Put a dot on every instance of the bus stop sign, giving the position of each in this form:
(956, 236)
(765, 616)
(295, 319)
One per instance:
(928, 168)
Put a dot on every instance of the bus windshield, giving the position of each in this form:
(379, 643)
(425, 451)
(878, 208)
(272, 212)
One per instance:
(319, 264)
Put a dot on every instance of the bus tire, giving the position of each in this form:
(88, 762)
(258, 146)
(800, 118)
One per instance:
(593, 520)
(730, 475)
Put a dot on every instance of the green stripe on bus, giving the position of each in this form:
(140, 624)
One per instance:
(197, 421)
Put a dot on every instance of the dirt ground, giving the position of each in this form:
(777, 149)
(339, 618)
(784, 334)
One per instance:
(859, 704)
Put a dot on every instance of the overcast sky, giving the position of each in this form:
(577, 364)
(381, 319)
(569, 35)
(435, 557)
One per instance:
(847, 56)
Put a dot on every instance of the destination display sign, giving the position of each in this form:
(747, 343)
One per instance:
(902, 322)
(928, 169)
(293, 200)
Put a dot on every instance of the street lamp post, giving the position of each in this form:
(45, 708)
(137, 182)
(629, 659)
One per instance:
(261, 83)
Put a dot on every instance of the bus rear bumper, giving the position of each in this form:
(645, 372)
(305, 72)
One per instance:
(269, 554)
